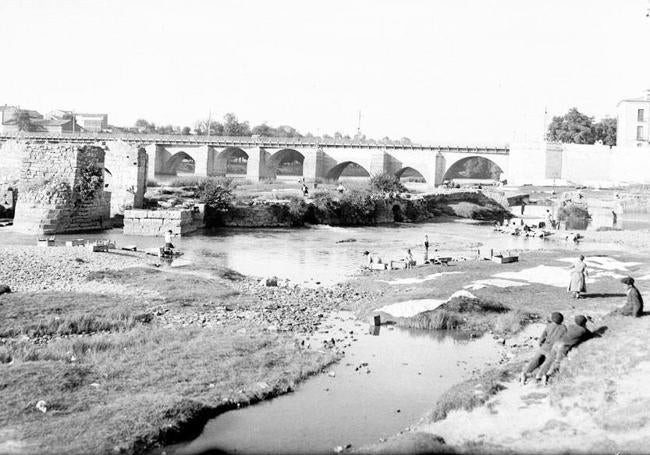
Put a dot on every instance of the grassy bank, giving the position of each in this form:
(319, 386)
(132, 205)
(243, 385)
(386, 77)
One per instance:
(597, 402)
(138, 357)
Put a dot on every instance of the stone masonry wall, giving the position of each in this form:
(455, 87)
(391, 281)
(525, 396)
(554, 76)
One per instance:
(11, 158)
(157, 222)
(126, 176)
(53, 197)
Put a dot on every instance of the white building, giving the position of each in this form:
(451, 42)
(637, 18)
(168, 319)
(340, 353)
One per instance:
(633, 127)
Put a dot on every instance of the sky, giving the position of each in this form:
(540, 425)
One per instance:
(436, 71)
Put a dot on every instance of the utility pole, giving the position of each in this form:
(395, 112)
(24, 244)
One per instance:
(209, 120)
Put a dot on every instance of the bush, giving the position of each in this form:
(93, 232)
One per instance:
(572, 211)
(195, 181)
(357, 207)
(387, 183)
(215, 194)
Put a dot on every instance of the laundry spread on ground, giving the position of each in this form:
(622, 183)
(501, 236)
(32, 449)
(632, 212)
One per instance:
(542, 274)
(497, 282)
(416, 280)
(410, 308)
(604, 262)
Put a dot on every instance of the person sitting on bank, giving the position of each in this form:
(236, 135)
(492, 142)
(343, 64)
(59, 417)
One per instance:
(634, 304)
(575, 334)
(554, 331)
(410, 262)
(168, 240)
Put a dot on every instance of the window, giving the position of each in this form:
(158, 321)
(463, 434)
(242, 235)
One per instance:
(639, 133)
(639, 115)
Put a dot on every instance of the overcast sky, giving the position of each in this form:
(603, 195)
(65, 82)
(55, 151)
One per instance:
(461, 71)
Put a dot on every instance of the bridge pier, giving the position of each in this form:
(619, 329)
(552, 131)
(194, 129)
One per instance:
(313, 165)
(257, 167)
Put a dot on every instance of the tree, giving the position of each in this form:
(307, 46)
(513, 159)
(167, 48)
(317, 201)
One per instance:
(263, 130)
(573, 127)
(605, 131)
(144, 126)
(232, 126)
(23, 121)
(201, 127)
(186, 131)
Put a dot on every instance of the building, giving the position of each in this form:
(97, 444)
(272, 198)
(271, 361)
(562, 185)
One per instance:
(87, 122)
(57, 126)
(633, 128)
(92, 122)
(14, 119)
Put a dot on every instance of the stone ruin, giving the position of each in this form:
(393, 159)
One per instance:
(69, 187)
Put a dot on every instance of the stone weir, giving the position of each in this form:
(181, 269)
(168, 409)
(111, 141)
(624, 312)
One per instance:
(61, 189)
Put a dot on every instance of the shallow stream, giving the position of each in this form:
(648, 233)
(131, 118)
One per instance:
(404, 372)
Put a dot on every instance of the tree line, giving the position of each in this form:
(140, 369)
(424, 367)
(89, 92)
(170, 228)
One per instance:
(574, 127)
(231, 126)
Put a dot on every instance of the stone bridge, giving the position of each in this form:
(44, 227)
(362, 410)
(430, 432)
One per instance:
(261, 158)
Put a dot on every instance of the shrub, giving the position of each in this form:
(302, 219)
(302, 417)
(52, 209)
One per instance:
(215, 194)
(89, 180)
(152, 183)
(387, 183)
(357, 207)
(572, 211)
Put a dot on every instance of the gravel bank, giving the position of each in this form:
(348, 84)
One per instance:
(33, 268)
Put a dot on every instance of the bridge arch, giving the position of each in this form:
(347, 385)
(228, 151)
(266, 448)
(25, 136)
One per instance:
(337, 171)
(411, 173)
(231, 160)
(473, 167)
(287, 162)
(180, 161)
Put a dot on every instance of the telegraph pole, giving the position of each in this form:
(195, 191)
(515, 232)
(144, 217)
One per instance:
(209, 121)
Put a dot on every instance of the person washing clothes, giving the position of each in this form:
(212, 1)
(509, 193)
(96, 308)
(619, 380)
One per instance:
(554, 331)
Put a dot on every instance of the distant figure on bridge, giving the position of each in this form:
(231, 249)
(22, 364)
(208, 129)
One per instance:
(340, 188)
(614, 219)
(634, 304)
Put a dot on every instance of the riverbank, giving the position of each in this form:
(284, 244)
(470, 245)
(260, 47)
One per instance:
(105, 352)
(596, 403)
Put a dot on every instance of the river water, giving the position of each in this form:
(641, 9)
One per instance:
(315, 255)
(408, 369)
(405, 371)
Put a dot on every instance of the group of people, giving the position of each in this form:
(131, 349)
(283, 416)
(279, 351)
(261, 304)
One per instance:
(409, 259)
(557, 339)
(578, 288)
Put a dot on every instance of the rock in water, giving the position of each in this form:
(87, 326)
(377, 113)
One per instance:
(4, 289)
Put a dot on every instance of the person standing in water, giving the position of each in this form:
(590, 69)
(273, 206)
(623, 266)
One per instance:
(578, 283)
(426, 247)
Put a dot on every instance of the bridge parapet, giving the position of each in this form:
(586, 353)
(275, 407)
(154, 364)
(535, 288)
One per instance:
(244, 141)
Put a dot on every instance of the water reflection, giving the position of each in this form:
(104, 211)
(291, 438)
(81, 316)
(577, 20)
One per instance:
(385, 383)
